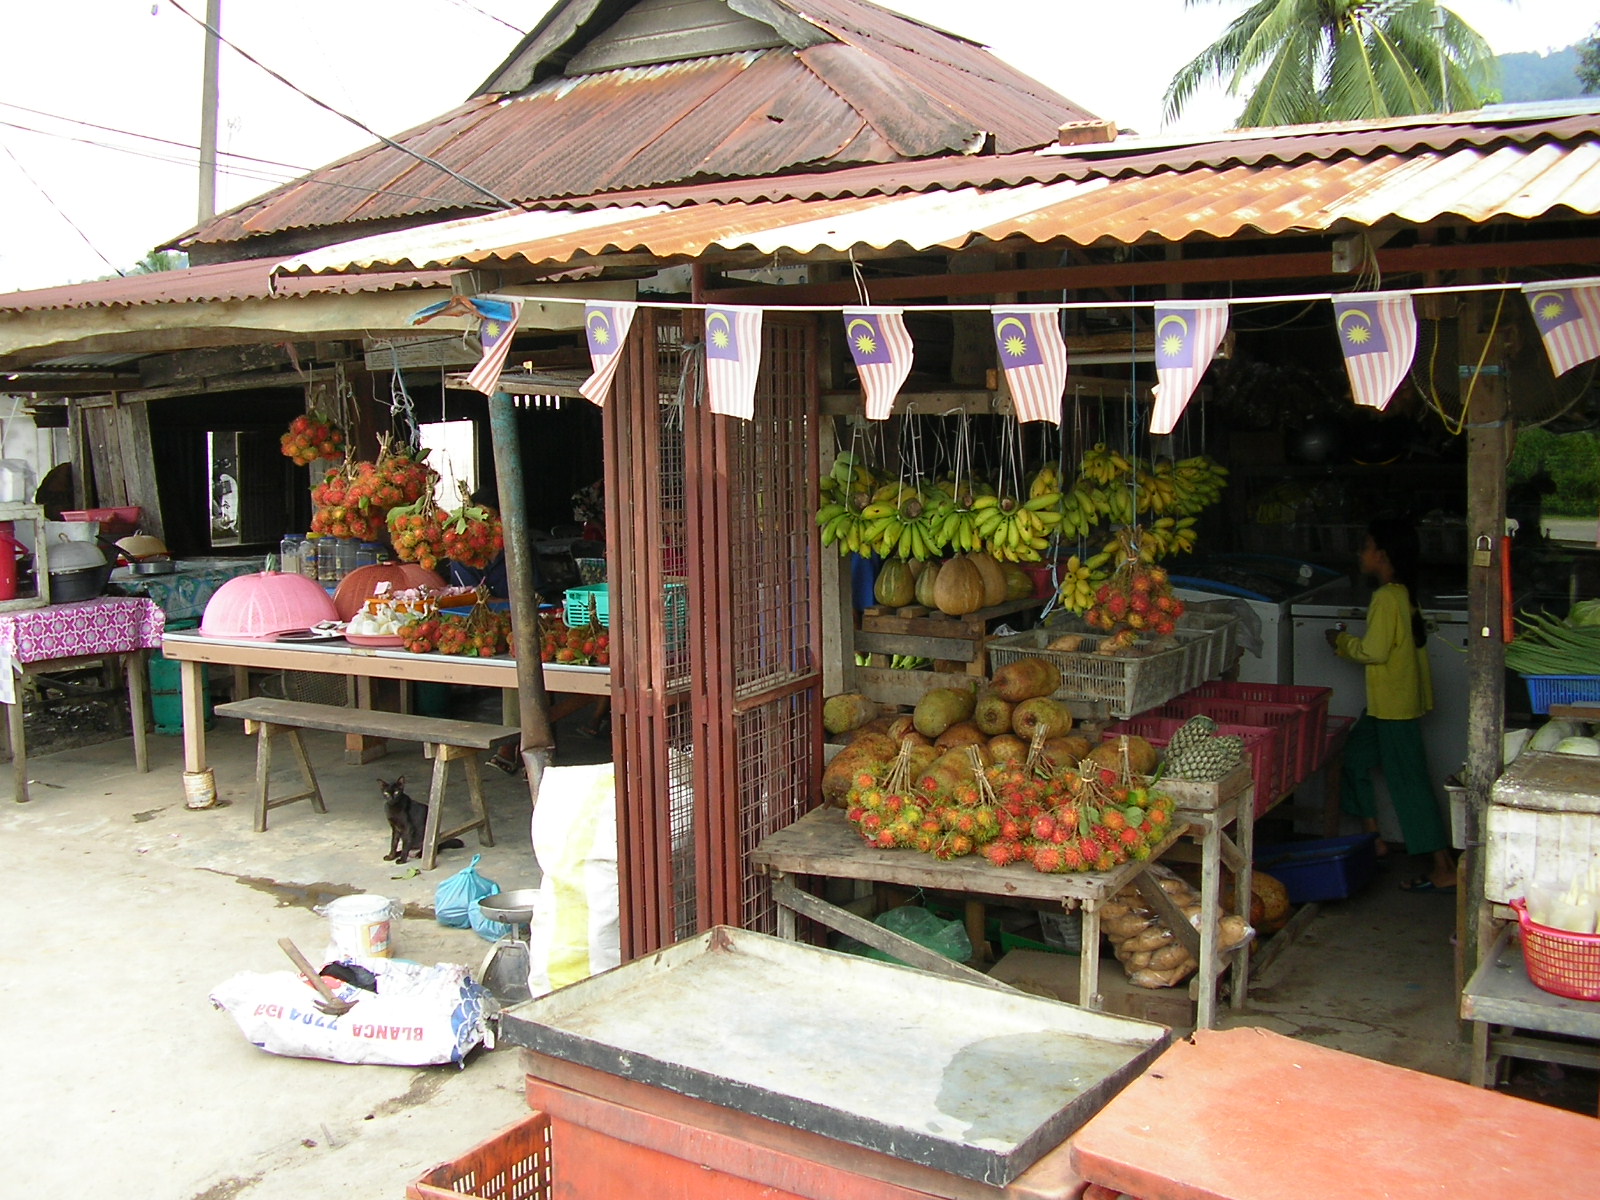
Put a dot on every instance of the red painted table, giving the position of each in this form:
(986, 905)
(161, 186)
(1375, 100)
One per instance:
(64, 637)
(1246, 1114)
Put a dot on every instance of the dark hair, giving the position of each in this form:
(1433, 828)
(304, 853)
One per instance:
(1397, 538)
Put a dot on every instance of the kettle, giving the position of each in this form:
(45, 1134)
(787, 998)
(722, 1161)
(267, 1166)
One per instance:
(10, 547)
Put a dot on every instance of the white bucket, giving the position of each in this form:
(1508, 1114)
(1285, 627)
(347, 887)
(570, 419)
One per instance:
(359, 926)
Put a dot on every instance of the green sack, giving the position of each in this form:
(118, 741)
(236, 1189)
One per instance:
(947, 938)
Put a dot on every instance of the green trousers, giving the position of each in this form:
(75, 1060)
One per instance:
(1395, 748)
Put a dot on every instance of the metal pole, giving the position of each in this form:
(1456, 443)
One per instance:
(208, 111)
(533, 704)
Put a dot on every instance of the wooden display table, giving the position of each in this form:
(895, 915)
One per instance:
(1500, 1000)
(823, 843)
(364, 664)
(1246, 1114)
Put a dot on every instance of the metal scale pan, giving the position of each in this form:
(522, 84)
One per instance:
(505, 969)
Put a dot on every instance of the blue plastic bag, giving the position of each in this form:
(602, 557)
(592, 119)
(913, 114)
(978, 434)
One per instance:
(486, 928)
(455, 900)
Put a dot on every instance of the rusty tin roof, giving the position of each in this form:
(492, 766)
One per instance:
(865, 85)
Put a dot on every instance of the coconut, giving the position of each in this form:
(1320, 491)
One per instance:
(1041, 712)
(941, 708)
(962, 733)
(1026, 678)
(992, 714)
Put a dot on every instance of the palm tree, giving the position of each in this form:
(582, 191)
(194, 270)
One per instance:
(1343, 60)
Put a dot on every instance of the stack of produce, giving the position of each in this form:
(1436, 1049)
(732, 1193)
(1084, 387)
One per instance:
(578, 646)
(480, 633)
(311, 437)
(1546, 646)
(355, 498)
(1146, 946)
(997, 773)
(1197, 752)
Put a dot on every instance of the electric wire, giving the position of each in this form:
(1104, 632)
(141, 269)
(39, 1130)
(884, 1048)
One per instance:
(344, 116)
(467, 4)
(147, 137)
(59, 211)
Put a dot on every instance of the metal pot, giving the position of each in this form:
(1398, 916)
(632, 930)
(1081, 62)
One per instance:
(78, 583)
(153, 566)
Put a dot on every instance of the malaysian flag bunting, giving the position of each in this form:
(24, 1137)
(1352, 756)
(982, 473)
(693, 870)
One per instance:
(1569, 322)
(1034, 357)
(882, 349)
(733, 358)
(495, 331)
(1378, 334)
(1187, 337)
(607, 328)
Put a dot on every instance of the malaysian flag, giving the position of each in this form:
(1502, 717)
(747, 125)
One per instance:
(1187, 337)
(1034, 357)
(1378, 334)
(733, 359)
(882, 349)
(607, 328)
(496, 329)
(1569, 321)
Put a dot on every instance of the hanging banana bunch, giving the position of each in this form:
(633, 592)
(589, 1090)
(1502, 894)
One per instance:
(1198, 483)
(1102, 465)
(1017, 531)
(1080, 578)
(898, 523)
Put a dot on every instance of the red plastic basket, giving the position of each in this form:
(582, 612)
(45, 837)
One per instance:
(1333, 729)
(513, 1165)
(1567, 964)
(1260, 743)
(1312, 703)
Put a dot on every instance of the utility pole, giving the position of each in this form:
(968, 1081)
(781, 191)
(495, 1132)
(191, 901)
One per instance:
(208, 111)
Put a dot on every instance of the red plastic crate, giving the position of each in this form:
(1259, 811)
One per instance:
(515, 1164)
(1311, 701)
(1281, 717)
(1260, 743)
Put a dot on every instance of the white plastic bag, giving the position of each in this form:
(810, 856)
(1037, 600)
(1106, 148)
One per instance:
(419, 1015)
(574, 931)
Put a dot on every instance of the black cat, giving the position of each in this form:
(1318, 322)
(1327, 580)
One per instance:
(408, 821)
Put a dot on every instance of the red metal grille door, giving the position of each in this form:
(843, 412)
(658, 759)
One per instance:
(716, 677)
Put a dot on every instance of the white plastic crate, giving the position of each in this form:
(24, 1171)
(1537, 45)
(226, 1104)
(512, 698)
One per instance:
(1126, 684)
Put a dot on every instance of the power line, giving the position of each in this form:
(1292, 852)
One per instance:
(237, 173)
(59, 212)
(467, 4)
(368, 130)
(142, 136)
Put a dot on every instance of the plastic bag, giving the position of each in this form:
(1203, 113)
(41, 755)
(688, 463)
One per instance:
(455, 900)
(420, 1016)
(576, 927)
(485, 927)
(947, 938)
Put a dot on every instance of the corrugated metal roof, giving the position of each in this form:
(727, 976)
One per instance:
(251, 279)
(883, 88)
(1472, 183)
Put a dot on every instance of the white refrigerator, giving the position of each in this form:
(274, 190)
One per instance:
(1444, 730)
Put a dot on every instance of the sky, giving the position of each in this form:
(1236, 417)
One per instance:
(78, 202)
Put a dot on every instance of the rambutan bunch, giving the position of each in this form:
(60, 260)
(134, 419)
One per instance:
(472, 534)
(311, 437)
(417, 533)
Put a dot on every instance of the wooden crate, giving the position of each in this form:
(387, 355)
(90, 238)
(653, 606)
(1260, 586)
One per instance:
(957, 646)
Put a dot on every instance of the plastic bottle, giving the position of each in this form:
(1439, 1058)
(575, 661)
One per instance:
(328, 560)
(349, 555)
(311, 556)
(370, 554)
(289, 554)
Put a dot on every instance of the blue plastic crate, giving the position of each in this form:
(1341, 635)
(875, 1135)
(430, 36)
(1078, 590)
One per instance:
(589, 603)
(1325, 869)
(1545, 690)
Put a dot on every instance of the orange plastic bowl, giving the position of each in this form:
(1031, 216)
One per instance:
(263, 606)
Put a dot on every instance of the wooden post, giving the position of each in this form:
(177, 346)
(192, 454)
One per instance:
(1483, 336)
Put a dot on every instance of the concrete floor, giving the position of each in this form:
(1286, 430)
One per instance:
(123, 908)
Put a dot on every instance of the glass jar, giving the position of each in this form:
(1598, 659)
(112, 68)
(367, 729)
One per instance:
(369, 554)
(311, 555)
(349, 555)
(328, 561)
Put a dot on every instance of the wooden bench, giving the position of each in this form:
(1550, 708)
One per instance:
(446, 741)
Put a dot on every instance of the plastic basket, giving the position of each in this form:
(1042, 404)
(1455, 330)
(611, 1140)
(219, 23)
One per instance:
(1126, 685)
(513, 1165)
(1281, 718)
(591, 602)
(1564, 963)
(1311, 702)
(1260, 746)
(1545, 690)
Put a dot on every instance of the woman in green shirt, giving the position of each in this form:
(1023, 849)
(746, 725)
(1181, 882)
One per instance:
(1388, 736)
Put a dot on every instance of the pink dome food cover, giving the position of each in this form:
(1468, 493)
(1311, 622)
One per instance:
(265, 605)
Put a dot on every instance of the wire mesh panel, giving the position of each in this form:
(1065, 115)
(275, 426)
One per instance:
(777, 749)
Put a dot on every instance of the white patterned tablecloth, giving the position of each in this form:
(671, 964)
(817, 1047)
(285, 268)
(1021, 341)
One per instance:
(82, 629)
